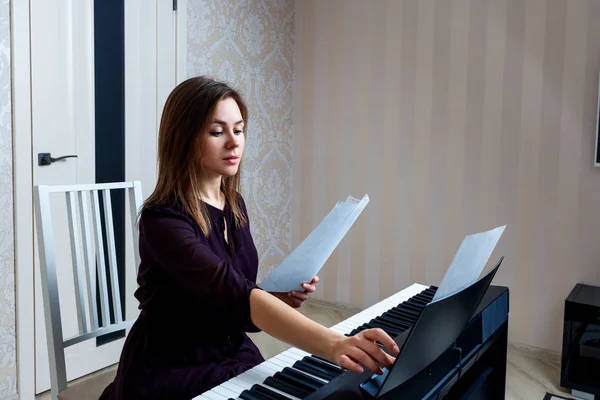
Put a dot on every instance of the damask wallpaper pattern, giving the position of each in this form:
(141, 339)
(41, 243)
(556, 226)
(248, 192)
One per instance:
(8, 372)
(250, 45)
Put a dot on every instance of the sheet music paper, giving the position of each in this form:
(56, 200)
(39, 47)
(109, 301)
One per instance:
(309, 257)
(470, 259)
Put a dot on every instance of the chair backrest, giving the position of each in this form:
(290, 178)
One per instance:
(92, 240)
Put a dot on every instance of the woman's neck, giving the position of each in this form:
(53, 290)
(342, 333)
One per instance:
(210, 190)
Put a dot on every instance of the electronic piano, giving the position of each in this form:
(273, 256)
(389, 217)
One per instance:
(472, 367)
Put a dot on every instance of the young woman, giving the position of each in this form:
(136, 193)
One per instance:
(197, 291)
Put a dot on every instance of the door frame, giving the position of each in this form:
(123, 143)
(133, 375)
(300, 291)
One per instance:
(171, 69)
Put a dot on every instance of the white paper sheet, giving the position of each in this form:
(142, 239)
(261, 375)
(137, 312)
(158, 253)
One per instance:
(470, 259)
(309, 257)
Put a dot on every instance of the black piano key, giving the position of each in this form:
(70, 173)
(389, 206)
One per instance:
(393, 331)
(333, 368)
(366, 326)
(313, 370)
(399, 321)
(268, 393)
(285, 387)
(387, 328)
(309, 380)
(417, 303)
(411, 307)
(369, 325)
(409, 310)
(410, 319)
(324, 361)
(247, 395)
(360, 329)
(406, 312)
(389, 322)
(422, 298)
(389, 332)
(425, 299)
(294, 382)
(397, 324)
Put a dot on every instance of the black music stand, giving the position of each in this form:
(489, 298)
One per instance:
(437, 328)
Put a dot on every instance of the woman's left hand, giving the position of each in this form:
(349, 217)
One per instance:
(296, 298)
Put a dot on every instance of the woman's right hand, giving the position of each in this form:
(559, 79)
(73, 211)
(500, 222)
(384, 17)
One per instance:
(348, 352)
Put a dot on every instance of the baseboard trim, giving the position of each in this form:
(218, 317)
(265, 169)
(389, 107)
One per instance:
(333, 306)
(551, 356)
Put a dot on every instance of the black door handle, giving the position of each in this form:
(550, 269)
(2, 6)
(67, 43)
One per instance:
(46, 159)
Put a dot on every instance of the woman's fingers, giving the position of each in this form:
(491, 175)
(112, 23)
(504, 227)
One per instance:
(299, 295)
(308, 288)
(311, 286)
(378, 335)
(347, 363)
(365, 358)
(353, 363)
(377, 354)
(361, 350)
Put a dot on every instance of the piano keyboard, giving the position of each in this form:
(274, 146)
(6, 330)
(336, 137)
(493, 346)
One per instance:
(294, 374)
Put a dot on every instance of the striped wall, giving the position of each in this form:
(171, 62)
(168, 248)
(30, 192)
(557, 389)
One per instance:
(455, 116)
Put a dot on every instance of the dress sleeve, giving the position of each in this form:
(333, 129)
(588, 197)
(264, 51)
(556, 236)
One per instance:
(195, 268)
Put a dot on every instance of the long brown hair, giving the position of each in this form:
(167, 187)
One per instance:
(183, 126)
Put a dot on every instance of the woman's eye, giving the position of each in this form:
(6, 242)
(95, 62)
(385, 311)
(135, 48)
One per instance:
(238, 132)
(216, 133)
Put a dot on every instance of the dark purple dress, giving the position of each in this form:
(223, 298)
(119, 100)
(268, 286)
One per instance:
(194, 296)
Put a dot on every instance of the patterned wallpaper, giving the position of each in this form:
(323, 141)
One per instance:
(455, 117)
(250, 45)
(8, 372)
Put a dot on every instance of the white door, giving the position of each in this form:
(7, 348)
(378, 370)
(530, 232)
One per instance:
(62, 123)
(62, 99)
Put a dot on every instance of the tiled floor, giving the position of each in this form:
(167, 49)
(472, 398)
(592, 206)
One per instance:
(529, 374)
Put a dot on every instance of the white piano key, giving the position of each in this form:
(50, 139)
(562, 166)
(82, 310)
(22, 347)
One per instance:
(239, 383)
(289, 360)
(299, 351)
(291, 355)
(214, 396)
(273, 365)
(283, 360)
(225, 392)
(255, 375)
(279, 363)
(346, 327)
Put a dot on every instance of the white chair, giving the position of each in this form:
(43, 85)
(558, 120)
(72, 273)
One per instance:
(88, 252)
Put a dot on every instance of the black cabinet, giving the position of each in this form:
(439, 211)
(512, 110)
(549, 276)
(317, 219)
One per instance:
(580, 364)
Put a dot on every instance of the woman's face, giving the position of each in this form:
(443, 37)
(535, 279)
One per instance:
(224, 142)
